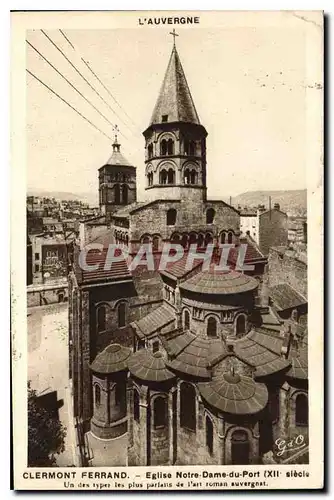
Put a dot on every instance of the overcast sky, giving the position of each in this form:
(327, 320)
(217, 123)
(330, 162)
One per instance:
(248, 85)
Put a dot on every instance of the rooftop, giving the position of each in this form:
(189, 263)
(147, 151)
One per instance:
(114, 271)
(219, 283)
(285, 297)
(117, 159)
(174, 100)
(150, 367)
(235, 394)
(263, 351)
(154, 321)
(113, 359)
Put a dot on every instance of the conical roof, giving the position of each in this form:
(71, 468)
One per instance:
(117, 159)
(175, 99)
(235, 394)
(214, 282)
(150, 367)
(113, 359)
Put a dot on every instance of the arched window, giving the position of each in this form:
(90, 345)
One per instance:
(150, 150)
(192, 238)
(210, 215)
(187, 406)
(301, 410)
(155, 346)
(121, 312)
(184, 240)
(200, 240)
(240, 447)
(117, 194)
(209, 434)
(163, 177)
(186, 320)
(193, 177)
(170, 176)
(208, 239)
(160, 412)
(155, 244)
(146, 240)
(136, 408)
(170, 147)
(163, 147)
(211, 329)
(175, 238)
(186, 176)
(171, 217)
(101, 319)
(240, 325)
(150, 178)
(125, 194)
(223, 238)
(230, 237)
(189, 147)
(97, 395)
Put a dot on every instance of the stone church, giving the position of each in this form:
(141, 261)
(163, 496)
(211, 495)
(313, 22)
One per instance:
(195, 366)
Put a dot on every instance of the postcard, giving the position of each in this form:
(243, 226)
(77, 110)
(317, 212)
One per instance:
(167, 242)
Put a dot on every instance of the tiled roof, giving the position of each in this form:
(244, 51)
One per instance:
(235, 394)
(219, 283)
(193, 359)
(114, 272)
(150, 367)
(263, 352)
(269, 320)
(175, 99)
(252, 252)
(179, 268)
(176, 344)
(106, 239)
(286, 297)
(117, 159)
(154, 321)
(113, 359)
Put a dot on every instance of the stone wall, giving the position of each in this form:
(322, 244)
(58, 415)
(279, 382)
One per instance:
(152, 219)
(273, 230)
(284, 267)
(40, 295)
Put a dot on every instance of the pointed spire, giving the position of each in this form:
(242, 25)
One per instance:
(174, 103)
(116, 145)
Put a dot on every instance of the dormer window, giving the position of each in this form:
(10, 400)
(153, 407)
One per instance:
(164, 118)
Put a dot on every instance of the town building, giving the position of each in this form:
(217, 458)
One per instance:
(193, 365)
(267, 227)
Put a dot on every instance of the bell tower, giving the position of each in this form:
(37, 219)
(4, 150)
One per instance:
(117, 181)
(175, 140)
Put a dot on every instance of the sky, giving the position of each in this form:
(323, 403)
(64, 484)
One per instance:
(248, 85)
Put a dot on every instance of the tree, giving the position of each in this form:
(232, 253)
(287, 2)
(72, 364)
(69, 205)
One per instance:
(46, 434)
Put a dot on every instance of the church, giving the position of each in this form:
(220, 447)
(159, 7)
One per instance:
(193, 365)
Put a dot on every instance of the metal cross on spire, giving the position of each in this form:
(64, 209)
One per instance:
(174, 34)
(115, 129)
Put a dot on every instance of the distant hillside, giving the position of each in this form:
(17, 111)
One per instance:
(294, 201)
(90, 198)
